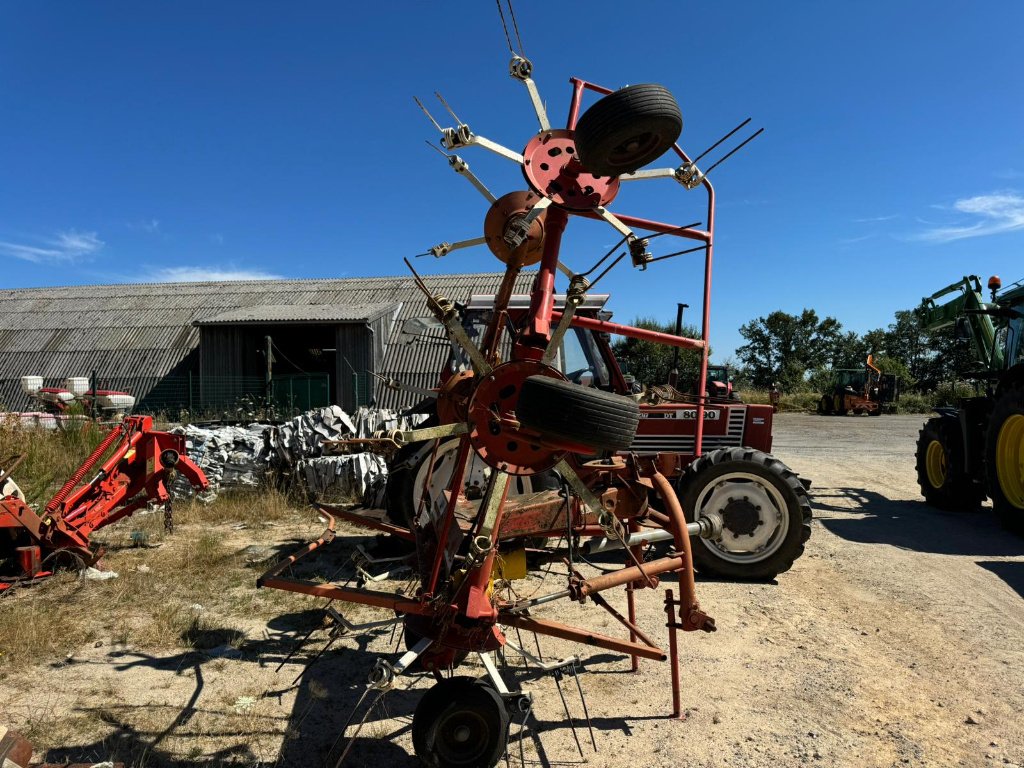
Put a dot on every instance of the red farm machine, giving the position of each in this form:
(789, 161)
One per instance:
(521, 454)
(860, 391)
(130, 468)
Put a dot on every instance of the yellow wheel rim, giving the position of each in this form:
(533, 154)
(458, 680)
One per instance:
(935, 464)
(1010, 460)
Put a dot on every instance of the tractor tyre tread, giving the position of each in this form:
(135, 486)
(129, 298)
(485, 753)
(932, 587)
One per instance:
(959, 492)
(1009, 402)
(590, 417)
(724, 460)
(636, 109)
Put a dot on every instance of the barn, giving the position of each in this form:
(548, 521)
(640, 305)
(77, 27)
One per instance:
(207, 346)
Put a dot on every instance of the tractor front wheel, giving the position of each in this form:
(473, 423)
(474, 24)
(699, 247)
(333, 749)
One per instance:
(460, 723)
(940, 467)
(763, 504)
(1004, 451)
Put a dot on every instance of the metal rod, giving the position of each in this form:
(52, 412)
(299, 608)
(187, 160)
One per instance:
(730, 133)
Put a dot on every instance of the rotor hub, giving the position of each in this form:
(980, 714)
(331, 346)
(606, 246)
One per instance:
(552, 169)
(494, 431)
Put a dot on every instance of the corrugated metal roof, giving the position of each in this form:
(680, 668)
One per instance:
(301, 313)
(141, 332)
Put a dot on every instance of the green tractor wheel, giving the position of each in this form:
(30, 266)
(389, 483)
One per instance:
(1004, 453)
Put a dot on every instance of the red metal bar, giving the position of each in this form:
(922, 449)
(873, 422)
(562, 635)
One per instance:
(454, 488)
(542, 299)
(577, 635)
(367, 522)
(635, 222)
(387, 600)
(606, 326)
(80, 473)
(631, 598)
(574, 104)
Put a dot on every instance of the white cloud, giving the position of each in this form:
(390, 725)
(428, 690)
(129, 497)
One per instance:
(873, 219)
(64, 246)
(208, 274)
(993, 214)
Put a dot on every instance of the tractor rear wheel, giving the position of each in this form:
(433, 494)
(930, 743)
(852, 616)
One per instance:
(1004, 452)
(825, 405)
(561, 410)
(765, 507)
(940, 467)
(625, 130)
(460, 723)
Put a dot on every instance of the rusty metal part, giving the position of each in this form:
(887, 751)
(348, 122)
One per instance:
(15, 749)
(495, 433)
(551, 168)
(693, 618)
(360, 518)
(579, 635)
(513, 241)
(453, 398)
(673, 651)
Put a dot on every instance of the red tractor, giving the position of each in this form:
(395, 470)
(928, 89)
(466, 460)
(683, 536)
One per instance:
(763, 504)
(134, 462)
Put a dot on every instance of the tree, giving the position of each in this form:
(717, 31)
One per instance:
(650, 363)
(781, 348)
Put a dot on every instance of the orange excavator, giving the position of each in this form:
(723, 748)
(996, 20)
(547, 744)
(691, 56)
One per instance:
(134, 464)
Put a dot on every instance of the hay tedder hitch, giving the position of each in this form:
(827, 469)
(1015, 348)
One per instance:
(131, 464)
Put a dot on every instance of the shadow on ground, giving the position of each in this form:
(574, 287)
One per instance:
(1009, 571)
(912, 524)
(327, 694)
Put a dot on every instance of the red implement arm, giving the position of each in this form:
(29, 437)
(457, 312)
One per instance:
(133, 475)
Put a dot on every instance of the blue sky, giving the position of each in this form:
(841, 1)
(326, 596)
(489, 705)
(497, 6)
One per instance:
(161, 141)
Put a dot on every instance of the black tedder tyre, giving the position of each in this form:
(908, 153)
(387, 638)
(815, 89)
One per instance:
(558, 409)
(625, 130)
(765, 507)
(460, 723)
(940, 467)
(1004, 453)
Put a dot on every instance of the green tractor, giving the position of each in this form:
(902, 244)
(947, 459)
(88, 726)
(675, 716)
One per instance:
(976, 449)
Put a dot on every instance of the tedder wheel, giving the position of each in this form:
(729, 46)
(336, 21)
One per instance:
(409, 472)
(940, 467)
(765, 508)
(562, 410)
(460, 723)
(625, 130)
(1004, 452)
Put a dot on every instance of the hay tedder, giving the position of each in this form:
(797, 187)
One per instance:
(512, 415)
(130, 469)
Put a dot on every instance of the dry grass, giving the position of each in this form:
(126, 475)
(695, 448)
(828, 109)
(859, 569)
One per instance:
(51, 456)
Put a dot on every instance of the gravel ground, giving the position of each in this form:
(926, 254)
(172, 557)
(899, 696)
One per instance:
(896, 640)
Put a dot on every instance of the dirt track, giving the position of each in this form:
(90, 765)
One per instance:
(898, 639)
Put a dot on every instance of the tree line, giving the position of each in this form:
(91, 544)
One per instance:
(796, 352)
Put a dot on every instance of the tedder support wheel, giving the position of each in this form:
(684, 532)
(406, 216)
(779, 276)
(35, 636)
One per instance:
(940, 466)
(558, 409)
(460, 723)
(765, 508)
(1004, 452)
(625, 130)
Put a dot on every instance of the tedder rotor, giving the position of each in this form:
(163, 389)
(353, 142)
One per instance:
(513, 411)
